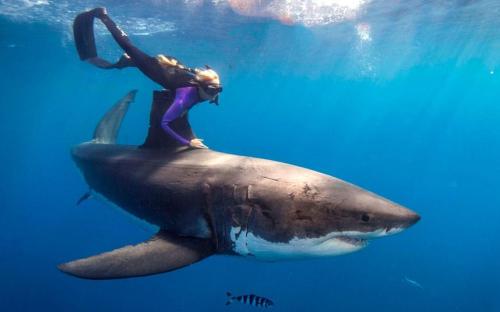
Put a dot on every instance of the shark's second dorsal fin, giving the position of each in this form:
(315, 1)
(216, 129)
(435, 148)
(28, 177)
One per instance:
(157, 138)
(107, 129)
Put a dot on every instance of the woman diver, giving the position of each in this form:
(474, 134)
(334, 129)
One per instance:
(191, 86)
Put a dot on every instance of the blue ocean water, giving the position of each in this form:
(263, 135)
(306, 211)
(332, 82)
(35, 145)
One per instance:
(400, 98)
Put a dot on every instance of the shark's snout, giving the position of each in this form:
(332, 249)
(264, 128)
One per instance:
(395, 216)
(366, 215)
(411, 218)
(399, 217)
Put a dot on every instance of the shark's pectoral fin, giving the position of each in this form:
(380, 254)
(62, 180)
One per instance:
(162, 253)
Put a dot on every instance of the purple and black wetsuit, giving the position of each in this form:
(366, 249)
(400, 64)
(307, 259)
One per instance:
(185, 98)
(176, 78)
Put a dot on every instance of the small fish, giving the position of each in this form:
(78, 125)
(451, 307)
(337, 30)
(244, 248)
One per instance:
(84, 197)
(412, 282)
(253, 300)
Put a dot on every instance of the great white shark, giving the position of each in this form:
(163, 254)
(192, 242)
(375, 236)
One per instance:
(205, 202)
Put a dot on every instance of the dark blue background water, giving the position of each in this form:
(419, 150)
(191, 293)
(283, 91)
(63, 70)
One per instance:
(410, 113)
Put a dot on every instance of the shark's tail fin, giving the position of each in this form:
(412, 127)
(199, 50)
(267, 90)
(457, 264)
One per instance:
(229, 298)
(107, 129)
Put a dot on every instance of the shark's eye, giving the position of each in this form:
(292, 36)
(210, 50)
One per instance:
(365, 218)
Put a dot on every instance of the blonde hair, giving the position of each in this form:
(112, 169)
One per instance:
(207, 76)
(169, 61)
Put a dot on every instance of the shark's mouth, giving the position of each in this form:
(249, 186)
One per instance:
(361, 239)
(381, 232)
(359, 242)
(247, 243)
(334, 244)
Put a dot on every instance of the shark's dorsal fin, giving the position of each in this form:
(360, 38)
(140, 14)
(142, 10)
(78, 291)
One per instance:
(162, 253)
(157, 138)
(107, 129)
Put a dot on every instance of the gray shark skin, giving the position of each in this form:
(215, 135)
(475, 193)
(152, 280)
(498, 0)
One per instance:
(226, 204)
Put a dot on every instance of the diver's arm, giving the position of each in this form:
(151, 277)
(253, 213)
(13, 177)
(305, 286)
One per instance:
(184, 100)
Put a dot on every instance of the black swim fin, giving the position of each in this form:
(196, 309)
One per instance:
(83, 32)
(162, 253)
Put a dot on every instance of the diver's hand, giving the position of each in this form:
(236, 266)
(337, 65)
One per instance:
(99, 12)
(197, 143)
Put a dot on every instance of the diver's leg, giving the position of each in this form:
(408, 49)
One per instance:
(147, 64)
(83, 31)
(120, 36)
